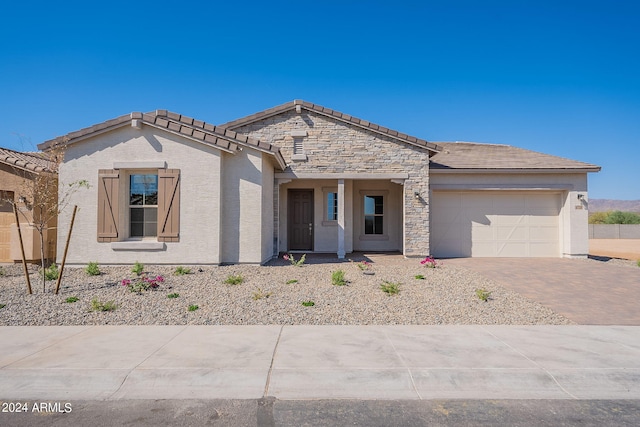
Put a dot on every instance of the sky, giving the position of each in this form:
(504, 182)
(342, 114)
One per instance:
(560, 77)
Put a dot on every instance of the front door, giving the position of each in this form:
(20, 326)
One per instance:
(300, 220)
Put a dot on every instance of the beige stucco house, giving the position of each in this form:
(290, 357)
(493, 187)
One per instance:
(23, 177)
(303, 178)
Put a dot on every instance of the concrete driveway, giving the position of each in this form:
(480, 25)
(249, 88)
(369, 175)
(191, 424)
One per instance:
(586, 291)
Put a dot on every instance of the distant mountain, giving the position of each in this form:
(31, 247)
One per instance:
(604, 205)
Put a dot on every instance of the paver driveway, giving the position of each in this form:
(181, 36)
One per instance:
(587, 292)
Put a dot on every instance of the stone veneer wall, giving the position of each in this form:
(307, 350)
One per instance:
(333, 146)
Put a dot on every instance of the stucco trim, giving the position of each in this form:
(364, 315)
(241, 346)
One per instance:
(161, 164)
(138, 246)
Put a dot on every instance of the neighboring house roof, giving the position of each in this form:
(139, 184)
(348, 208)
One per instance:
(299, 105)
(476, 156)
(188, 127)
(32, 162)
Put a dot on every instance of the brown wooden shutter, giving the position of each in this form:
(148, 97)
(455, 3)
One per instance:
(168, 205)
(108, 204)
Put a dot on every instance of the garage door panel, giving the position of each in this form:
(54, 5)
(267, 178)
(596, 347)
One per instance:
(495, 224)
(512, 233)
(543, 233)
(541, 249)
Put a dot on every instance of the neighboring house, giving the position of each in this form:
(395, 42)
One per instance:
(302, 178)
(19, 173)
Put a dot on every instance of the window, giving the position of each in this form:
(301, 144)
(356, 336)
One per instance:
(6, 198)
(373, 214)
(332, 206)
(143, 205)
(152, 200)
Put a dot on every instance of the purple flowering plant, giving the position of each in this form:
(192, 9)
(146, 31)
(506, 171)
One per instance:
(364, 265)
(293, 261)
(142, 283)
(430, 262)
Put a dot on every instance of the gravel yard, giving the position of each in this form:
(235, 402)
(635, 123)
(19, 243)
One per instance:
(446, 295)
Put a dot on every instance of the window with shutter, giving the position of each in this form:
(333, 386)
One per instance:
(153, 203)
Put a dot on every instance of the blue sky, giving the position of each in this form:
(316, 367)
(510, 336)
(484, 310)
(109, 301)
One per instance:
(560, 77)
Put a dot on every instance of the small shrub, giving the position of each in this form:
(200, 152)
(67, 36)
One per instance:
(259, 294)
(142, 283)
(337, 278)
(292, 281)
(173, 295)
(137, 268)
(92, 269)
(308, 303)
(181, 271)
(390, 288)
(50, 273)
(419, 276)
(483, 294)
(193, 307)
(364, 265)
(430, 262)
(234, 279)
(2, 272)
(292, 260)
(72, 299)
(638, 263)
(97, 305)
(2, 306)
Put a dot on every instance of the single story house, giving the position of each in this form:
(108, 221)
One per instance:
(24, 176)
(299, 177)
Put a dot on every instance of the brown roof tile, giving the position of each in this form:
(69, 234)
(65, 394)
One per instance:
(469, 155)
(332, 113)
(210, 134)
(33, 162)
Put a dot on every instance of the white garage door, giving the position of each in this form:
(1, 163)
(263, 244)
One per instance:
(495, 224)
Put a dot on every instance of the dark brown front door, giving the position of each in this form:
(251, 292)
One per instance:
(300, 220)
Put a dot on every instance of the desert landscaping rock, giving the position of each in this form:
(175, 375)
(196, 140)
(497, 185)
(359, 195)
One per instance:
(446, 296)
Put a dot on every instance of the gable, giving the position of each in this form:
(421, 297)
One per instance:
(300, 107)
(185, 127)
(316, 143)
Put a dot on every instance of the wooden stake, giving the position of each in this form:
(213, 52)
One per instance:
(66, 248)
(24, 258)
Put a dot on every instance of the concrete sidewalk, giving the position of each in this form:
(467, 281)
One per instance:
(57, 363)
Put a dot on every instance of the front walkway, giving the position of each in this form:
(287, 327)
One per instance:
(586, 291)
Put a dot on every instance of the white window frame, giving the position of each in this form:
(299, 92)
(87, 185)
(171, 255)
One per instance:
(385, 215)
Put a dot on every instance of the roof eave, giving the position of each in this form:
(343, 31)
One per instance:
(515, 170)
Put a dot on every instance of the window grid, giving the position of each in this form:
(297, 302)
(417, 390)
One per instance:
(373, 214)
(143, 205)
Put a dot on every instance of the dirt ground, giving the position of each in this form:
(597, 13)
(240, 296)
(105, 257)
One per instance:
(615, 248)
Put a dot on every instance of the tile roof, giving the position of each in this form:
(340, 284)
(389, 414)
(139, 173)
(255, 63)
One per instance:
(206, 133)
(470, 155)
(304, 105)
(33, 162)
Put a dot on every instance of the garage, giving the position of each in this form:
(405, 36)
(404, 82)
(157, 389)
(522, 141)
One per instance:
(495, 224)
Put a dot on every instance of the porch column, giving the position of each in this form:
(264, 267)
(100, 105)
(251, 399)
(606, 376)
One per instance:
(341, 251)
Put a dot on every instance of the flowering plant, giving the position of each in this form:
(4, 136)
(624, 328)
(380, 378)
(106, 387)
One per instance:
(430, 262)
(142, 283)
(364, 265)
(292, 260)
